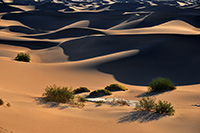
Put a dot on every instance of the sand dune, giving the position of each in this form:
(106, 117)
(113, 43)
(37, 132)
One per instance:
(93, 44)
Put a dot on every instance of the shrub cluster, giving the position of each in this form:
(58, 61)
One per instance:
(116, 87)
(23, 57)
(81, 90)
(161, 84)
(100, 92)
(162, 107)
(58, 94)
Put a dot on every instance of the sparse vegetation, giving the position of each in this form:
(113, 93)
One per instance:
(82, 99)
(165, 108)
(162, 107)
(146, 104)
(99, 103)
(23, 57)
(100, 92)
(81, 90)
(1, 102)
(116, 87)
(58, 94)
(161, 84)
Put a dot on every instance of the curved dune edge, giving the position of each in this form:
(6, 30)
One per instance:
(93, 45)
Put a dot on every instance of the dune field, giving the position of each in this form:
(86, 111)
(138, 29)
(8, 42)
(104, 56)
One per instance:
(94, 43)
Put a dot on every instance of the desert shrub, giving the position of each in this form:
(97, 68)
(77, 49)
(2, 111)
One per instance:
(81, 90)
(147, 104)
(100, 92)
(116, 87)
(161, 84)
(165, 108)
(82, 99)
(58, 94)
(23, 57)
(122, 102)
(1, 102)
(99, 103)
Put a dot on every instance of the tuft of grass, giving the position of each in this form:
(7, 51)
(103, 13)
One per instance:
(161, 84)
(116, 87)
(164, 107)
(82, 99)
(1, 102)
(81, 90)
(99, 103)
(146, 104)
(58, 94)
(23, 57)
(100, 92)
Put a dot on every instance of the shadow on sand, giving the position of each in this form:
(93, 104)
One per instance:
(149, 94)
(140, 116)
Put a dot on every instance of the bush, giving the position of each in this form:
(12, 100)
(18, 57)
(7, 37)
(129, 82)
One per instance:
(161, 84)
(58, 94)
(116, 87)
(8, 105)
(165, 108)
(147, 104)
(1, 102)
(81, 90)
(101, 92)
(82, 99)
(99, 103)
(23, 57)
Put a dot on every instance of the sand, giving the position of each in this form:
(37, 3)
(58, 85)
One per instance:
(94, 44)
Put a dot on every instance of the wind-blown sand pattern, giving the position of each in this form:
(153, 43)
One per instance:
(95, 43)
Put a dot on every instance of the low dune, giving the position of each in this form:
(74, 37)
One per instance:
(94, 44)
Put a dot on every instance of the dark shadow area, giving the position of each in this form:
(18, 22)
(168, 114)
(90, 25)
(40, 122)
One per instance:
(196, 105)
(175, 57)
(6, 8)
(140, 116)
(149, 94)
(30, 44)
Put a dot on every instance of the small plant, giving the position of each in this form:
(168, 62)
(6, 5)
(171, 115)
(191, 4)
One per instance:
(8, 105)
(116, 87)
(81, 90)
(82, 99)
(146, 104)
(161, 84)
(23, 57)
(58, 94)
(99, 103)
(162, 107)
(122, 102)
(100, 92)
(1, 102)
(165, 108)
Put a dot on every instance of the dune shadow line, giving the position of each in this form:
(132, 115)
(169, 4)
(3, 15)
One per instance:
(140, 116)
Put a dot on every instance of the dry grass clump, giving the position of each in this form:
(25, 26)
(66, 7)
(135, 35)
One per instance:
(23, 57)
(1, 102)
(162, 107)
(161, 84)
(100, 92)
(116, 87)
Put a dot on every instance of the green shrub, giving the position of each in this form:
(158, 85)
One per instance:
(101, 92)
(1, 102)
(58, 94)
(23, 57)
(82, 99)
(116, 87)
(161, 84)
(147, 104)
(162, 107)
(165, 108)
(81, 90)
